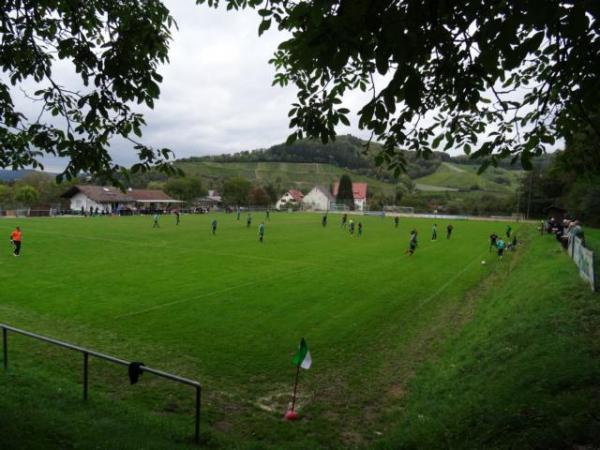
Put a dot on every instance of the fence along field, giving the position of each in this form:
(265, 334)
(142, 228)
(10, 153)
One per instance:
(229, 311)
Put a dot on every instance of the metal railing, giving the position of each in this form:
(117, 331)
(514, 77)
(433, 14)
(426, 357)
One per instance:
(87, 353)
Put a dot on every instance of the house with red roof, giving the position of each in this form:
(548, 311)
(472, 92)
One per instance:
(359, 192)
(291, 198)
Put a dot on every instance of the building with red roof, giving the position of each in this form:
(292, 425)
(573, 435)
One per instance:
(291, 198)
(359, 192)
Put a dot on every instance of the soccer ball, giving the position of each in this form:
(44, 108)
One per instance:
(482, 262)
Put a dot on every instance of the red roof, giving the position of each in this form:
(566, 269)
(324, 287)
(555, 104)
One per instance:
(359, 190)
(296, 195)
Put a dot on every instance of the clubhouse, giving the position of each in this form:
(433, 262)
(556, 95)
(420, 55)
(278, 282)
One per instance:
(108, 199)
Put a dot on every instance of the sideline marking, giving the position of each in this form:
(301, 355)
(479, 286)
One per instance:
(444, 286)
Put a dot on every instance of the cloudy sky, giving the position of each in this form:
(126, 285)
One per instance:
(216, 96)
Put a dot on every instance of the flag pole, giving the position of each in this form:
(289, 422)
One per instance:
(295, 387)
(291, 414)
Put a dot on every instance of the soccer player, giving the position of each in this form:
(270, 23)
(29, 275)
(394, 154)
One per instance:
(155, 221)
(268, 215)
(396, 221)
(15, 238)
(351, 226)
(238, 213)
(177, 217)
(344, 220)
(508, 231)
(324, 220)
(500, 246)
(412, 243)
(360, 228)
(434, 232)
(213, 226)
(261, 231)
(493, 240)
(449, 229)
(249, 220)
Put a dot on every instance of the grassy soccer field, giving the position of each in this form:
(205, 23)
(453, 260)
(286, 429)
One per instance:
(229, 312)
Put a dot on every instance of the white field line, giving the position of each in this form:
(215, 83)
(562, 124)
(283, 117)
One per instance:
(179, 250)
(447, 284)
(208, 294)
(200, 250)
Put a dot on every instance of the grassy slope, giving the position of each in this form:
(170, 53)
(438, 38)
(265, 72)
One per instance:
(524, 373)
(301, 175)
(464, 177)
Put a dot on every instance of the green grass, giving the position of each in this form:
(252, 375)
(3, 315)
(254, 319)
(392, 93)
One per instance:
(229, 312)
(464, 177)
(299, 175)
(523, 373)
(592, 239)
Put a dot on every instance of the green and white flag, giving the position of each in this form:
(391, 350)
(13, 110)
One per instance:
(302, 357)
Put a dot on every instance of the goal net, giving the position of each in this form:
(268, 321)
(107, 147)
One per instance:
(399, 209)
(338, 207)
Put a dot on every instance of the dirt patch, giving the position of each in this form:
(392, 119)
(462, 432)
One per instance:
(397, 391)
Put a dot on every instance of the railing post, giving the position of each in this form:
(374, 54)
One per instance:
(5, 347)
(85, 375)
(198, 414)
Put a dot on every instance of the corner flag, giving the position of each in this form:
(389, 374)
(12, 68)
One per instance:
(302, 357)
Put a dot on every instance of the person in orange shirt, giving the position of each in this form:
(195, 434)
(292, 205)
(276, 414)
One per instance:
(15, 238)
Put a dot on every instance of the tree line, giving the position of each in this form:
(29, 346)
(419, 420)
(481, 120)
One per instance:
(570, 179)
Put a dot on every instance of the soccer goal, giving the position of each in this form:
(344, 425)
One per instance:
(399, 209)
(22, 212)
(339, 207)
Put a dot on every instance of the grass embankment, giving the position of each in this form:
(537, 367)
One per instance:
(524, 373)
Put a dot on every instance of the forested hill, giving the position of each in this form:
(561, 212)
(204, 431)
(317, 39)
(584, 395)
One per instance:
(347, 152)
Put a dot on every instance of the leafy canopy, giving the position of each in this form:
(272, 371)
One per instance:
(497, 78)
(114, 47)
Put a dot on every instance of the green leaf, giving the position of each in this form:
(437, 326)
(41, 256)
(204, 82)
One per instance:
(264, 26)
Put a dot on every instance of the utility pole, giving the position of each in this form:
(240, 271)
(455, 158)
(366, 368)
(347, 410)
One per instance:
(529, 196)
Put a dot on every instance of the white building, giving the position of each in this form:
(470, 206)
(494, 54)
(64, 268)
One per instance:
(318, 199)
(87, 198)
(292, 197)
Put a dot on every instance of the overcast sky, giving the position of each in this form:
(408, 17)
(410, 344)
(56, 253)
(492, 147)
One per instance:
(216, 95)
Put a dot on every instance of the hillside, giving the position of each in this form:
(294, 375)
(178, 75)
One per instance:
(346, 152)
(310, 162)
(462, 177)
(283, 174)
(14, 175)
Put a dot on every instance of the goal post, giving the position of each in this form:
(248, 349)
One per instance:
(399, 209)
